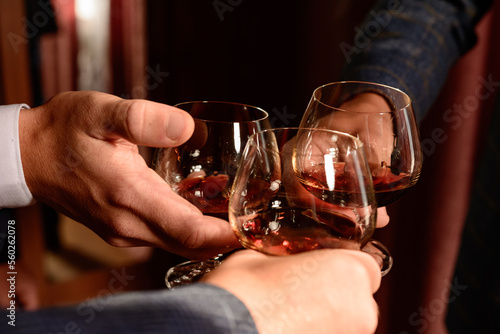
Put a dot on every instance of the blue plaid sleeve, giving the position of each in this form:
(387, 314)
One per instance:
(196, 308)
(412, 44)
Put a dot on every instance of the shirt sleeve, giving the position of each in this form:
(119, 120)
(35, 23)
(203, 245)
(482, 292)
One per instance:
(13, 189)
(195, 308)
(412, 44)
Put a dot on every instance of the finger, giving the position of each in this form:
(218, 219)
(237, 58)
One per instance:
(368, 263)
(149, 123)
(382, 217)
(208, 234)
(244, 255)
(179, 224)
(352, 259)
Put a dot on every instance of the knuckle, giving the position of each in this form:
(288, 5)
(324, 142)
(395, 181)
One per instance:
(370, 317)
(135, 115)
(193, 240)
(119, 232)
(371, 324)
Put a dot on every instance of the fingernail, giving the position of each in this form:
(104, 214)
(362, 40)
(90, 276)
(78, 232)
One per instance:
(176, 125)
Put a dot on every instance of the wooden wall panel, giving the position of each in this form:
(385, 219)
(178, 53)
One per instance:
(14, 56)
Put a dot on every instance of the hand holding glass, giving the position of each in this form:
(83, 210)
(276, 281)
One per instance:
(382, 117)
(202, 170)
(303, 189)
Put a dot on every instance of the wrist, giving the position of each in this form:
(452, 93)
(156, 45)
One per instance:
(29, 147)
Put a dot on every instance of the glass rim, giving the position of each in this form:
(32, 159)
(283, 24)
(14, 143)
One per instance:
(368, 83)
(249, 106)
(356, 140)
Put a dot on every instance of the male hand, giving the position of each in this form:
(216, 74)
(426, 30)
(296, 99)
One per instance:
(369, 119)
(79, 153)
(325, 291)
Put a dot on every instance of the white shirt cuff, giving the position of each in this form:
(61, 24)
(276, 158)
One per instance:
(13, 189)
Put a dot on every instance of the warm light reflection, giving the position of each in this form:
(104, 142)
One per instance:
(237, 141)
(86, 9)
(330, 172)
(93, 34)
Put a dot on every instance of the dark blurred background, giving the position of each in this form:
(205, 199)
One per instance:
(271, 54)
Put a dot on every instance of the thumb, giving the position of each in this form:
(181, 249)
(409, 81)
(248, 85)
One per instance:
(149, 123)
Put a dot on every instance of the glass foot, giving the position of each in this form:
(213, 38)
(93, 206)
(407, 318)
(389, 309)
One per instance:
(381, 254)
(190, 271)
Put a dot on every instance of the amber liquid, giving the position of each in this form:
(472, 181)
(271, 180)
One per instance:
(284, 231)
(210, 194)
(388, 187)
